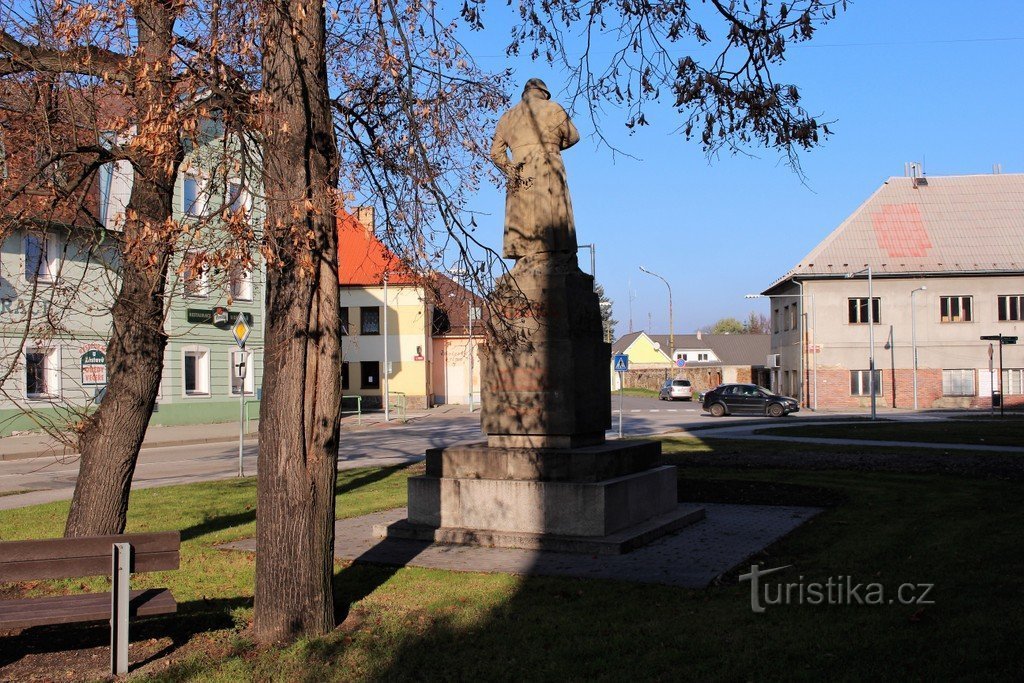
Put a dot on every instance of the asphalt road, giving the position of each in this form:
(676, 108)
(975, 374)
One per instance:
(53, 478)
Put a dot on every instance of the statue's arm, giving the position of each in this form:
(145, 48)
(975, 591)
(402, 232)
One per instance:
(570, 136)
(499, 152)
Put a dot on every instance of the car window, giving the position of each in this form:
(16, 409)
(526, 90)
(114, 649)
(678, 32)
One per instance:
(681, 383)
(731, 391)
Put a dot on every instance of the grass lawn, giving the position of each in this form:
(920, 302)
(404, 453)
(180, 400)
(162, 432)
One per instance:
(636, 391)
(961, 534)
(981, 430)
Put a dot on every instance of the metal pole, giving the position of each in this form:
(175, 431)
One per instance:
(814, 370)
(621, 383)
(241, 415)
(991, 382)
(471, 307)
(803, 344)
(871, 345)
(913, 335)
(387, 387)
(119, 599)
(1002, 397)
(671, 327)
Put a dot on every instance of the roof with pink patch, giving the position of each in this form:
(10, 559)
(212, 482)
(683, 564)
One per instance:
(948, 224)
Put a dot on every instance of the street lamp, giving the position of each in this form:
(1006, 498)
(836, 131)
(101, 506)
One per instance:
(814, 328)
(671, 328)
(871, 337)
(593, 259)
(913, 335)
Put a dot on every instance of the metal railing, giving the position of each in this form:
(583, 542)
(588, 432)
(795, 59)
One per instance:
(398, 403)
(359, 407)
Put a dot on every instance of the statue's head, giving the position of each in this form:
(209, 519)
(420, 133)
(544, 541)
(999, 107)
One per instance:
(537, 85)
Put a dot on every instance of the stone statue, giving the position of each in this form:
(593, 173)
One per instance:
(538, 211)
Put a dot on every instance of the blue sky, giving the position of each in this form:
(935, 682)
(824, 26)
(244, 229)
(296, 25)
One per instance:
(940, 82)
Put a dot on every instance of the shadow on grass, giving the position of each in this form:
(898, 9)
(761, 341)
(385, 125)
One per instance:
(192, 618)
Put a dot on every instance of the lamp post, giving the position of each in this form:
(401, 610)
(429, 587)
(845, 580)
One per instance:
(871, 338)
(814, 328)
(913, 335)
(387, 402)
(593, 259)
(671, 328)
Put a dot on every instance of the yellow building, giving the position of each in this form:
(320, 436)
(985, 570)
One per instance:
(387, 321)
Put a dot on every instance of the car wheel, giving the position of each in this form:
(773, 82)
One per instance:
(776, 410)
(717, 410)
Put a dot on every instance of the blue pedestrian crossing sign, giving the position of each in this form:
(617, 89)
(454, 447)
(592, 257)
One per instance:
(621, 362)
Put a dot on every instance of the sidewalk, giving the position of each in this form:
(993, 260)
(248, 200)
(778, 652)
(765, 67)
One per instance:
(157, 436)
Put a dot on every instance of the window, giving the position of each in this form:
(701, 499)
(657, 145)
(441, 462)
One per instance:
(241, 284)
(859, 310)
(344, 320)
(42, 372)
(958, 382)
(1013, 381)
(859, 381)
(237, 200)
(702, 357)
(775, 321)
(680, 356)
(195, 370)
(369, 320)
(955, 309)
(1011, 307)
(193, 201)
(40, 257)
(344, 376)
(236, 357)
(194, 276)
(790, 315)
(370, 374)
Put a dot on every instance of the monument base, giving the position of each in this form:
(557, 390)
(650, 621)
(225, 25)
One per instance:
(609, 498)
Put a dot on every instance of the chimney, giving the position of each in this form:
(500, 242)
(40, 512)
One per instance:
(915, 171)
(698, 335)
(364, 215)
(997, 169)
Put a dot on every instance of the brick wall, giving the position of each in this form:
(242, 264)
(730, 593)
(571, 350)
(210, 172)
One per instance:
(834, 391)
(701, 379)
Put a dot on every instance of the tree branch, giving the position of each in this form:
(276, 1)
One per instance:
(86, 60)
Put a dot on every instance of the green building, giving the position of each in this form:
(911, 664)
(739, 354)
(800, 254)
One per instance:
(58, 280)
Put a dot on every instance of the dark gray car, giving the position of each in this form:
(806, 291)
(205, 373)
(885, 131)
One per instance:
(747, 399)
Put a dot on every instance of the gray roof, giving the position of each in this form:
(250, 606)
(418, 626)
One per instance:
(733, 349)
(948, 224)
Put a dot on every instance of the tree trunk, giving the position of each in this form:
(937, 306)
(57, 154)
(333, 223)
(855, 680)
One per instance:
(301, 410)
(110, 441)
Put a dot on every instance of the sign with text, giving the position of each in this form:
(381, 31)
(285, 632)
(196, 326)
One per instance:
(94, 365)
(219, 316)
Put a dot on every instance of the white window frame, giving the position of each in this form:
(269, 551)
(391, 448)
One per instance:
(202, 290)
(244, 197)
(1003, 303)
(52, 374)
(197, 207)
(953, 381)
(202, 354)
(959, 298)
(240, 278)
(250, 377)
(49, 246)
(862, 382)
(1013, 381)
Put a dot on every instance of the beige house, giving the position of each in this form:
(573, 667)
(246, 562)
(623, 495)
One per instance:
(946, 260)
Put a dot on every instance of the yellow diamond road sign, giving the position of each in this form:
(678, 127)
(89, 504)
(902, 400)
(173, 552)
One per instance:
(240, 330)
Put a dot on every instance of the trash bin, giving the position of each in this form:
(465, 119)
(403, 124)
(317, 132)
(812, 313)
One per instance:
(997, 399)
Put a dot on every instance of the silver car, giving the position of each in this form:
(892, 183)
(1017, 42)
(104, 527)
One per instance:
(674, 389)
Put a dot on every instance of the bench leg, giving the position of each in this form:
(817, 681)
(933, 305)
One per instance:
(121, 560)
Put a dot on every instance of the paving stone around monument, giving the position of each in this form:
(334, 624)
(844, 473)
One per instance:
(691, 558)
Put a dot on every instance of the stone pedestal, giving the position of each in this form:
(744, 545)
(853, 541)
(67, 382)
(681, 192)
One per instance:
(545, 479)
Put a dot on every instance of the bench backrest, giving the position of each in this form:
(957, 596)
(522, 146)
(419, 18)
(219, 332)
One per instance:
(63, 558)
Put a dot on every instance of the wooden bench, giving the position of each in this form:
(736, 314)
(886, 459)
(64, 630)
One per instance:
(114, 556)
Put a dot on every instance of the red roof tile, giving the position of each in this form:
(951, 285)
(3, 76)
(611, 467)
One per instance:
(363, 259)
